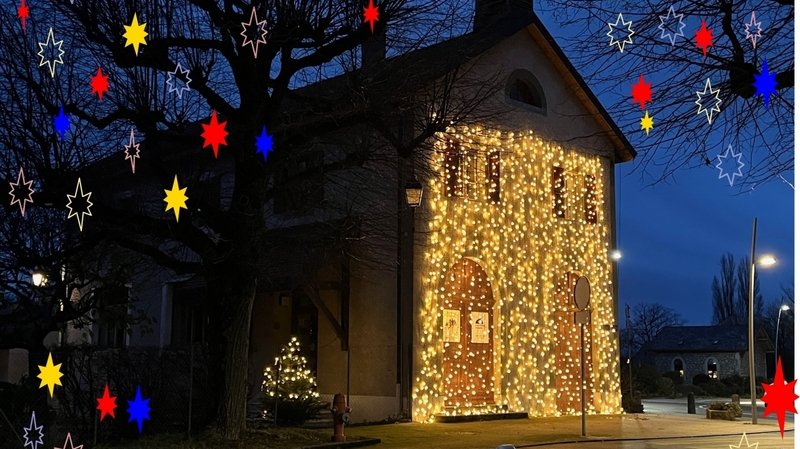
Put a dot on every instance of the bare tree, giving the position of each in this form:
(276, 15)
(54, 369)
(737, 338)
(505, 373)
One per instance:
(277, 87)
(672, 60)
(648, 320)
(730, 292)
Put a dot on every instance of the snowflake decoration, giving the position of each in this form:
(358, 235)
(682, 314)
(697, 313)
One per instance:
(701, 96)
(748, 27)
(36, 440)
(615, 29)
(51, 44)
(668, 25)
(730, 175)
(177, 83)
(254, 32)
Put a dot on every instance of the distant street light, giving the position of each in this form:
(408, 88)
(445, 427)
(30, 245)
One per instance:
(765, 261)
(616, 254)
(782, 308)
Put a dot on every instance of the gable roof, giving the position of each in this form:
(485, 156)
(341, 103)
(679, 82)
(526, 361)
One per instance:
(728, 338)
(437, 60)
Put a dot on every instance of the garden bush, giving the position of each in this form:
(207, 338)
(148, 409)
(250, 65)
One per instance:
(715, 388)
(685, 389)
(676, 377)
(665, 387)
(700, 379)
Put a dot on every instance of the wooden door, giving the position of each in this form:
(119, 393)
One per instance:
(468, 334)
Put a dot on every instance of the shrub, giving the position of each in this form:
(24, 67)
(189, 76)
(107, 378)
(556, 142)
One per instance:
(700, 379)
(715, 388)
(647, 379)
(735, 408)
(735, 385)
(290, 388)
(676, 377)
(684, 390)
(665, 387)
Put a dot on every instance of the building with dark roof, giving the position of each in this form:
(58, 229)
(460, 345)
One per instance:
(718, 351)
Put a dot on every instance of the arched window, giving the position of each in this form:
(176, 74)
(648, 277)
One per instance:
(712, 366)
(524, 88)
(677, 366)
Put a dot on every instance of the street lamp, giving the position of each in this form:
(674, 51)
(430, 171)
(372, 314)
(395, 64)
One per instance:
(38, 278)
(766, 261)
(782, 308)
(616, 255)
(414, 194)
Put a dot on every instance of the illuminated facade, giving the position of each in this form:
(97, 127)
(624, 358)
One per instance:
(514, 220)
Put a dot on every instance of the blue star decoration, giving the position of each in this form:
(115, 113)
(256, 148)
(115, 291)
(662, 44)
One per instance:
(32, 440)
(731, 175)
(264, 143)
(765, 83)
(61, 122)
(139, 409)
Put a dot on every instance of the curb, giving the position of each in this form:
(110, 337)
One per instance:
(613, 440)
(361, 442)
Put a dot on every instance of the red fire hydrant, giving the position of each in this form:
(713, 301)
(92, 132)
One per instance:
(341, 416)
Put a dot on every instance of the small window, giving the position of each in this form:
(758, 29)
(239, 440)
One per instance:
(677, 366)
(462, 173)
(112, 317)
(493, 176)
(523, 87)
(452, 170)
(189, 317)
(712, 368)
(590, 199)
(559, 188)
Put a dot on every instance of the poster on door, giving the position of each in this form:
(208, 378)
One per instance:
(480, 327)
(451, 322)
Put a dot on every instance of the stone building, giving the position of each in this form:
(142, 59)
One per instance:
(718, 351)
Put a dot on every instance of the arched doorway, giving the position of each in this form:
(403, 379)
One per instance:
(468, 334)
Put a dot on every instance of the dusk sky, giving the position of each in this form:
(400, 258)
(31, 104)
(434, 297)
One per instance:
(672, 234)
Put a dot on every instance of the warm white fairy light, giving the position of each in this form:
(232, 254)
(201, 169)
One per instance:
(530, 257)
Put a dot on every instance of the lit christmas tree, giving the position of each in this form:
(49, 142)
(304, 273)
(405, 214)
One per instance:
(289, 387)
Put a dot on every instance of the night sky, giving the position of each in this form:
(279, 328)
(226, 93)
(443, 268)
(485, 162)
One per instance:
(672, 234)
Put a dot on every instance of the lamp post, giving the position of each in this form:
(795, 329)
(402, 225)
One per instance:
(413, 199)
(782, 308)
(764, 261)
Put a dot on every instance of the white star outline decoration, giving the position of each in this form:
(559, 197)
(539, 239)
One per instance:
(745, 441)
(34, 444)
(614, 27)
(707, 90)
(51, 64)
(262, 27)
(79, 215)
(666, 31)
(754, 37)
(172, 79)
(71, 445)
(731, 176)
(132, 152)
(22, 201)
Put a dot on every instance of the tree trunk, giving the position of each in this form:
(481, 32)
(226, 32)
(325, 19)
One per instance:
(237, 306)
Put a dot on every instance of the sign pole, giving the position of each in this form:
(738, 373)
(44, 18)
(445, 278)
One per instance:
(583, 387)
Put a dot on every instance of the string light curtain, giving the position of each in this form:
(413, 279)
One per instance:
(522, 258)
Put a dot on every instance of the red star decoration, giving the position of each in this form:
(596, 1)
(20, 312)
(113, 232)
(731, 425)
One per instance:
(22, 13)
(703, 37)
(779, 396)
(106, 404)
(99, 84)
(371, 15)
(214, 134)
(641, 92)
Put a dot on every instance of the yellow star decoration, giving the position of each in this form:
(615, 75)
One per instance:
(50, 374)
(176, 198)
(134, 34)
(647, 122)
(746, 443)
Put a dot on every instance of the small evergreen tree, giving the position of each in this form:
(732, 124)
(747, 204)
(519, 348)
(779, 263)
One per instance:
(290, 388)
